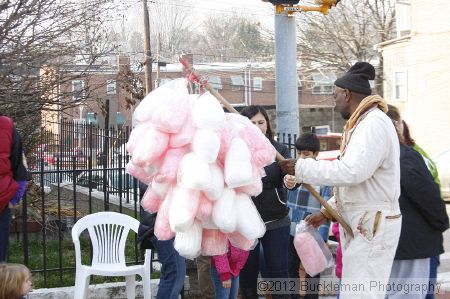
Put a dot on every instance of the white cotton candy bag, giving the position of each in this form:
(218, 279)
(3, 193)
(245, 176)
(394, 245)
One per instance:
(189, 243)
(224, 213)
(206, 144)
(208, 113)
(194, 173)
(249, 222)
(183, 208)
(238, 167)
(216, 186)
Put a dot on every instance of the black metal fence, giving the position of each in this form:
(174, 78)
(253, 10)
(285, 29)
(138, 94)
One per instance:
(77, 170)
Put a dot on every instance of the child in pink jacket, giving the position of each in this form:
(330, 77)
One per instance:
(225, 272)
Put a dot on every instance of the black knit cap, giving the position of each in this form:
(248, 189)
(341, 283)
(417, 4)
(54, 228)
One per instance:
(357, 78)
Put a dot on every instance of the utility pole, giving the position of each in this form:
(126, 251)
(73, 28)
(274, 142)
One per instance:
(147, 51)
(158, 58)
(286, 77)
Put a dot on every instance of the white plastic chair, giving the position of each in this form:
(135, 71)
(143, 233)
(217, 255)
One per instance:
(108, 232)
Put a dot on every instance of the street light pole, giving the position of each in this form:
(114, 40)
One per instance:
(288, 119)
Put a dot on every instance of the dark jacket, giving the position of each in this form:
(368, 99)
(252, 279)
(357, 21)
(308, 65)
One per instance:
(146, 228)
(424, 215)
(272, 206)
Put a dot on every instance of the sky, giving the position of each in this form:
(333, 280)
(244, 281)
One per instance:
(258, 9)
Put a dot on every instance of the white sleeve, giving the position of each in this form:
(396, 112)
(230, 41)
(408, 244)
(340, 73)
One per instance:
(365, 153)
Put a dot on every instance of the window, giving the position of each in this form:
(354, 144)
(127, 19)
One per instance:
(400, 86)
(78, 90)
(257, 83)
(111, 86)
(215, 82)
(91, 118)
(236, 82)
(323, 83)
(403, 18)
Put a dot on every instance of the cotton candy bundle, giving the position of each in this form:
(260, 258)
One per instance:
(183, 208)
(162, 225)
(223, 213)
(151, 201)
(238, 169)
(158, 98)
(237, 240)
(194, 173)
(140, 173)
(185, 135)
(189, 243)
(216, 184)
(201, 166)
(311, 249)
(214, 242)
(249, 222)
(206, 144)
(208, 113)
(169, 166)
(204, 210)
(147, 150)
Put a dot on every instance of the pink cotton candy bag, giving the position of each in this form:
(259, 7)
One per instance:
(311, 249)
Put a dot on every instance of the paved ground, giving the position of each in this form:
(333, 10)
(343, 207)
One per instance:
(443, 274)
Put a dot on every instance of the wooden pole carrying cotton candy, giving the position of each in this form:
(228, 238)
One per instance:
(189, 243)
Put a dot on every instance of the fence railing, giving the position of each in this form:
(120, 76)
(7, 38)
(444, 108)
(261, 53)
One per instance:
(79, 169)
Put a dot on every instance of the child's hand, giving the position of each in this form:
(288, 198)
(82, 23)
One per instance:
(226, 284)
(289, 181)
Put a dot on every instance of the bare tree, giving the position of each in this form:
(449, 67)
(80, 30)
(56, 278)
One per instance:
(171, 20)
(233, 38)
(347, 34)
(39, 38)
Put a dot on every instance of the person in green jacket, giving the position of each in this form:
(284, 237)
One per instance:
(403, 127)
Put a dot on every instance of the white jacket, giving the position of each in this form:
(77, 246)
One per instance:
(368, 175)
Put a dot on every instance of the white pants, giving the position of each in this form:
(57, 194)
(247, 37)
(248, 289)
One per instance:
(367, 258)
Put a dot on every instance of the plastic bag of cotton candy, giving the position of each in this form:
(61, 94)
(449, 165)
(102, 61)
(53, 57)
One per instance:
(201, 166)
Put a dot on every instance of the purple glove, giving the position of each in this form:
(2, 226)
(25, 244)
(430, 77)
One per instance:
(22, 186)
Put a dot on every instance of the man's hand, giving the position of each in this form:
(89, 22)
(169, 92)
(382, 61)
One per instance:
(289, 181)
(288, 166)
(316, 220)
(226, 284)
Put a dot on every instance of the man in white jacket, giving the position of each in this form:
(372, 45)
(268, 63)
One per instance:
(367, 181)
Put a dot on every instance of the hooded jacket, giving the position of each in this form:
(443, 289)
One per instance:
(271, 203)
(424, 214)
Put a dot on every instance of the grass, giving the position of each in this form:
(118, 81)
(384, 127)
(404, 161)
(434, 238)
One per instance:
(66, 277)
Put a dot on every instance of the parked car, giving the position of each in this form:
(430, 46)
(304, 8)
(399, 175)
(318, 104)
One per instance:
(442, 161)
(330, 141)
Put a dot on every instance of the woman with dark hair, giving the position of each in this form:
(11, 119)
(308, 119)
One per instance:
(424, 218)
(271, 205)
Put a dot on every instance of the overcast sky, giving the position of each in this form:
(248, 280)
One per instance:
(262, 11)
